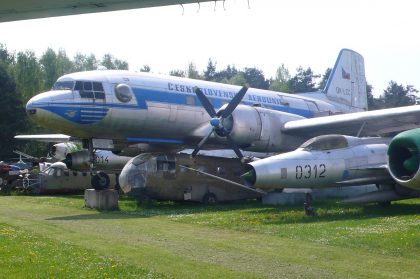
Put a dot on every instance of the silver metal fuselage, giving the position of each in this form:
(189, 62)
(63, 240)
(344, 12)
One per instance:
(161, 110)
(362, 162)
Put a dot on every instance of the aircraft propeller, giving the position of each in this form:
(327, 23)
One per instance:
(218, 119)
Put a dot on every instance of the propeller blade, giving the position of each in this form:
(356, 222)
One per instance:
(234, 146)
(234, 102)
(205, 102)
(201, 143)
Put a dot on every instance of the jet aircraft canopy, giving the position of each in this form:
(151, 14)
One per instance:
(325, 142)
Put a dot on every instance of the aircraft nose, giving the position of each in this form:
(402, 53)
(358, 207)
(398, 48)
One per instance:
(35, 103)
(30, 109)
(132, 176)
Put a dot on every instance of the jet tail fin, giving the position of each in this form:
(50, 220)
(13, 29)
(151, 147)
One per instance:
(347, 82)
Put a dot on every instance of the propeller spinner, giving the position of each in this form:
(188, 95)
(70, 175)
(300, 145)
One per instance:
(218, 119)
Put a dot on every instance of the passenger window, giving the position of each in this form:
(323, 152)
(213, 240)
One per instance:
(190, 100)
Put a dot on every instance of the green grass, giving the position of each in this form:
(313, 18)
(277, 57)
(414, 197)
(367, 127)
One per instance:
(240, 240)
(25, 254)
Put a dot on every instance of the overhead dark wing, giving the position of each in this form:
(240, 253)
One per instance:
(370, 123)
(19, 9)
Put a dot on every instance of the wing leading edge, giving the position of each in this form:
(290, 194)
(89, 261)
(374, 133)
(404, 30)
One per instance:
(45, 138)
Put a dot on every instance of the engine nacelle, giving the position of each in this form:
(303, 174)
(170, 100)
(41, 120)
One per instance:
(259, 129)
(60, 150)
(79, 160)
(104, 160)
(404, 159)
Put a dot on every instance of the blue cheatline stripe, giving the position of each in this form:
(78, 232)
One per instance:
(155, 140)
(81, 109)
(145, 95)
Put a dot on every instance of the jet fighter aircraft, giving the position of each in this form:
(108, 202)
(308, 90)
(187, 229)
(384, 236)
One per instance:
(337, 160)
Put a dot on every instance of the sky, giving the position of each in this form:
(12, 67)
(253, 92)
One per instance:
(264, 35)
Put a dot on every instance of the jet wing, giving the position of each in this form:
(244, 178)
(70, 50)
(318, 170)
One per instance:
(369, 123)
(378, 174)
(45, 138)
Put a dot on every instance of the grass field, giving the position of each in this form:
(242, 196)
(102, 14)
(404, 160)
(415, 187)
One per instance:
(55, 237)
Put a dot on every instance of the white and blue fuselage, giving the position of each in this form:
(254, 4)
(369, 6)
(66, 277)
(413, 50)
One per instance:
(130, 107)
(152, 109)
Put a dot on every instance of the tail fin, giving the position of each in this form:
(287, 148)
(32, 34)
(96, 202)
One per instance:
(347, 82)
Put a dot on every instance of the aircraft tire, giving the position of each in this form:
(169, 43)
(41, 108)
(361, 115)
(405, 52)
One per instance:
(385, 204)
(100, 181)
(209, 198)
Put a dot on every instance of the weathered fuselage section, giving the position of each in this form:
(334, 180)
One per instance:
(162, 177)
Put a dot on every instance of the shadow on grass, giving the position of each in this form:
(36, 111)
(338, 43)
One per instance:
(327, 211)
(130, 209)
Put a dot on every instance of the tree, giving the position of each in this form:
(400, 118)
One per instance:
(303, 81)
(192, 71)
(82, 62)
(397, 95)
(238, 79)
(145, 68)
(225, 74)
(55, 65)
(210, 72)
(49, 65)
(255, 78)
(177, 73)
(13, 118)
(5, 56)
(111, 63)
(280, 83)
(28, 75)
(324, 79)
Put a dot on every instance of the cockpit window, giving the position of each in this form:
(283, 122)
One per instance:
(90, 89)
(63, 85)
(327, 142)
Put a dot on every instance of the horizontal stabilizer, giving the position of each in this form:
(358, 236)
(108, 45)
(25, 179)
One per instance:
(45, 138)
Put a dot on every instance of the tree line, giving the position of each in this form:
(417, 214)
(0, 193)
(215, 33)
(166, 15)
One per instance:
(23, 75)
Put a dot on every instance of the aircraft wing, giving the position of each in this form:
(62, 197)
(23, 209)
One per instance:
(370, 123)
(45, 138)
